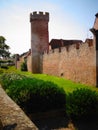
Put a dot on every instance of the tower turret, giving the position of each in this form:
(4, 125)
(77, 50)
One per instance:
(39, 39)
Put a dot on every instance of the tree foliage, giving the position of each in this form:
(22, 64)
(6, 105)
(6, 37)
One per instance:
(4, 48)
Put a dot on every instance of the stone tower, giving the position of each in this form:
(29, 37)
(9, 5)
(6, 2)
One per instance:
(39, 39)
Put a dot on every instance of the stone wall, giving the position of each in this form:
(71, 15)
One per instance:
(74, 63)
(29, 63)
(12, 116)
(19, 62)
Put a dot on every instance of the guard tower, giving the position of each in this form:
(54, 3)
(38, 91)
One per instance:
(39, 39)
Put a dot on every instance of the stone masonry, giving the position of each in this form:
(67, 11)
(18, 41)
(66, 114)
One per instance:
(12, 116)
(39, 39)
(75, 64)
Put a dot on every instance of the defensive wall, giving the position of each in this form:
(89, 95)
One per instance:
(75, 62)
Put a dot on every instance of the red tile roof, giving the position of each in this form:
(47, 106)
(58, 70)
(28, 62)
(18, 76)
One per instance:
(56, 43)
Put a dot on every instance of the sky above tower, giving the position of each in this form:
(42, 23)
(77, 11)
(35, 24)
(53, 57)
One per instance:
(69, 19)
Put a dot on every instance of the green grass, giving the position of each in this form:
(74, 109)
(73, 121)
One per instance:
(67, 85)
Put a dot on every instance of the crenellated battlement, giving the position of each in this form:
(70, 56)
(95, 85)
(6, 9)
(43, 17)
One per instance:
(39, 16)
(88, 44)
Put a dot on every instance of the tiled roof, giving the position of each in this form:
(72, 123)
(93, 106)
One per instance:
(26, 54)
(94, 30)
(96, 23)
(56, 43)
(96, 15)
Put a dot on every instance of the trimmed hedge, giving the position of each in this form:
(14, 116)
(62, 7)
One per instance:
(4, 66)
(33, 95)
(24, 66)
(6, 79)
(1, 71)
(82, 103)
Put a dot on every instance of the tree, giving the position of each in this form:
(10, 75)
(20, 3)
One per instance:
(4, 48)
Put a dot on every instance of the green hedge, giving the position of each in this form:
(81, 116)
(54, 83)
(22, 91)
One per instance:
(1, 71)
(4, 66)
(82, 103)
(24, 66)
(6, 79)
(33, 95)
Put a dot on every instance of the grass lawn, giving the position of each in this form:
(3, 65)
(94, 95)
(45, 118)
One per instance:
(67, 85)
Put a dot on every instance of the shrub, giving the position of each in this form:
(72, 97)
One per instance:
(8, 78)
(2, 61)
(24, 66)
(82, 103)
(34, 95)
(1, 71)
(4, 66)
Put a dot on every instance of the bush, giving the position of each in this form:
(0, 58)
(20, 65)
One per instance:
(24, 66)
(34, 95)
(82, 103)
(44, 97)
(2, 61)
(4, 66)
(8, 78)
(1, 71)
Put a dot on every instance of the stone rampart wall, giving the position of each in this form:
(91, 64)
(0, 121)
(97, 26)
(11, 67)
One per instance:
(19, 62)
(29, 63)
(76, 62)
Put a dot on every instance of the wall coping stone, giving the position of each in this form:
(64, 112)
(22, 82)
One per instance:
(12, 115)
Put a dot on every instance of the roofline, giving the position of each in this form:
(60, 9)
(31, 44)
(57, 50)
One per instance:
(96, 14)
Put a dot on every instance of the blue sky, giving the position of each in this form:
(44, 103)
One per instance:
(69, 19)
